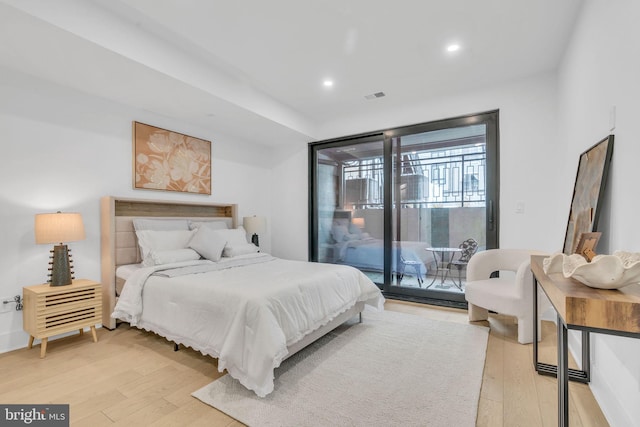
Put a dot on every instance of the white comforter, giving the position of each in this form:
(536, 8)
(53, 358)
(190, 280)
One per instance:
(246, 311)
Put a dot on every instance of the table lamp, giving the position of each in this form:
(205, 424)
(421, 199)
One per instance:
(57, 228)
(254, 225)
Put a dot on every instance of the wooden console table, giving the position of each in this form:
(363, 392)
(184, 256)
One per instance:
(613, 312)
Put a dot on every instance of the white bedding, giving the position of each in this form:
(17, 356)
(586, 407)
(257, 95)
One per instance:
(125, 271)
(245, 312)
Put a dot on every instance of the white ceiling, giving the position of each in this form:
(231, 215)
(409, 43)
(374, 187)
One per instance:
(254, 69)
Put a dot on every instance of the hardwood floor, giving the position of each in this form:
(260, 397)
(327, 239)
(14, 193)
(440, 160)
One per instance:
(131, 377)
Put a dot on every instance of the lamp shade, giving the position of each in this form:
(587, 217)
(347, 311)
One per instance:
(59, 227)
(254, 224)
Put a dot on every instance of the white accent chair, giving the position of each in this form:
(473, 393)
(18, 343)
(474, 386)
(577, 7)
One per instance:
(506, 295)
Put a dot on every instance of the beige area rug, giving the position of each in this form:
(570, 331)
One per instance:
(393, 369)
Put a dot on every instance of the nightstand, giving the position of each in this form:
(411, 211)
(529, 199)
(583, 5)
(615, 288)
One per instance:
(52, 310)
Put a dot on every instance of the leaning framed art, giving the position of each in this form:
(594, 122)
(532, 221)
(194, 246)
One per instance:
(170, 161)
(588, 192)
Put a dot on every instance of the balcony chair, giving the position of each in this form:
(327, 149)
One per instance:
(506, 295)
(415, 265)
(469, 247)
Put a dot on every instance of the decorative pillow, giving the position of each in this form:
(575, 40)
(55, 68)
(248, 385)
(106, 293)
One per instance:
(341, 221)
(208, 243)
(339, 232)
(160, 224)
(243, 249)
(234, 237)
(214, 225)
(173, 255)
(354, 229)
(154, 240)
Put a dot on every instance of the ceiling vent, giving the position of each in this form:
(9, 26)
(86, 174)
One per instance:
(375, 95)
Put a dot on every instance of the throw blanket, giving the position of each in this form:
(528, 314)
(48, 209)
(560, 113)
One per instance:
(243, 313)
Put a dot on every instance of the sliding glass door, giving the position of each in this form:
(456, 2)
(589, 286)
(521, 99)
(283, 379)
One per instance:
(408, 206)
(348, 205)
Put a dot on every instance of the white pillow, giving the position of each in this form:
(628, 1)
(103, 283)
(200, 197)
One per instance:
(160, 224)
(243, 249)
(234, 237)
(354, 229)
(154, 240)
(214, 225)
(339, 233)
(173, 255)
(208, 243)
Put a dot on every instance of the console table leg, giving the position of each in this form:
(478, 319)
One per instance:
(563, 375)
(586, 354)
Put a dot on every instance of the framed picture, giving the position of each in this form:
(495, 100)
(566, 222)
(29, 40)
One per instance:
(588, 191)
(587, 245)
(170, 161)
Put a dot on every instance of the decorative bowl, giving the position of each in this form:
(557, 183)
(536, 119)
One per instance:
(603, 272)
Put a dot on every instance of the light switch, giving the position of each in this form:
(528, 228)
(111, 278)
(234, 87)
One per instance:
(520, 207)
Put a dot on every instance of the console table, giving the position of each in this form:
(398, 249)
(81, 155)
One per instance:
(614, 312)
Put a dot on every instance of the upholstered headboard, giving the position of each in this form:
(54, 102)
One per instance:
(118, 238)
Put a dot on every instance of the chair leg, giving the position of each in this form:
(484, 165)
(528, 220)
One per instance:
(525, 330)
(418, 275)
(477, 313)
(459, 284)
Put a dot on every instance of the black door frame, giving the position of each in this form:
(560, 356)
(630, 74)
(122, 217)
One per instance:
(489, 118)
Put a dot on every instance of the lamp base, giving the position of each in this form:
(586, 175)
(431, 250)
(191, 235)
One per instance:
(254, 240)
(60, 266)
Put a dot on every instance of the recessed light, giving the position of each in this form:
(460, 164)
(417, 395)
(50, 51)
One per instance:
(327, 83)
(454, 47)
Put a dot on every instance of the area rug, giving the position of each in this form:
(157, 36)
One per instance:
(393, 369)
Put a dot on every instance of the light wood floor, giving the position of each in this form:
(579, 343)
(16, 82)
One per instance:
(134, 378)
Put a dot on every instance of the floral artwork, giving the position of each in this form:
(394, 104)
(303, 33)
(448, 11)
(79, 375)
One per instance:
(171, 161)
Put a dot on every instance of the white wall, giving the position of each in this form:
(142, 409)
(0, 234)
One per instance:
(600, 70)
(530, 162)
(63, 150)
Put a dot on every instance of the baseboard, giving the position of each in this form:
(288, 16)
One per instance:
(13, 340)
(603, 391)
(604, 394)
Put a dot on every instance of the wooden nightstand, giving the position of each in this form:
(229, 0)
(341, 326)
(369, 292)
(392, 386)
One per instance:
(52, 310)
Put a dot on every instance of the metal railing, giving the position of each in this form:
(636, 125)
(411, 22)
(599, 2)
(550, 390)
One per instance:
(452, 180)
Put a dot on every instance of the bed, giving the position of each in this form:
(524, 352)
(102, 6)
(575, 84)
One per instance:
(248, 309)
(353, 246)
(367, 254)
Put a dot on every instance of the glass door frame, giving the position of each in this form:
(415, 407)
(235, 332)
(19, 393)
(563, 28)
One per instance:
(490, 119)
(314, 147)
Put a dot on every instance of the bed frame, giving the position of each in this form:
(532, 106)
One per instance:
(119, 246)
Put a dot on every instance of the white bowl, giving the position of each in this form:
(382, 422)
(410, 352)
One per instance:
(603, 272)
